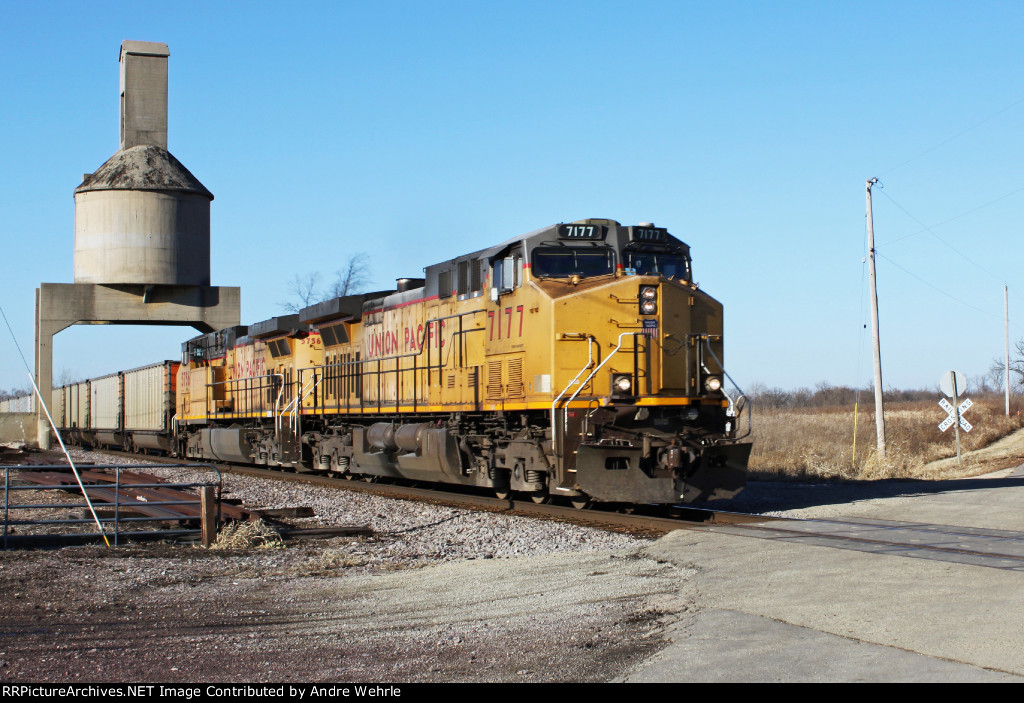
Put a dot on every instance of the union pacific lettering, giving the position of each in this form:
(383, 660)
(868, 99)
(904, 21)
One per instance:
(389, 343)
(413, 338)
(248, 364)
(379, 344)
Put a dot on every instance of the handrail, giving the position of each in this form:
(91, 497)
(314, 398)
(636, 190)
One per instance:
(277, 401)
(234, 383)
(733, 405)
(293, 419)
(554, 404)
(361, 371)
(593, 373)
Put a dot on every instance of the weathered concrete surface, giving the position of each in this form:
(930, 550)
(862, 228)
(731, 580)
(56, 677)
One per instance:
(732, 608)
(769, 610)
(143, 93)
(142, 218)
(18, 427)
(60, 305)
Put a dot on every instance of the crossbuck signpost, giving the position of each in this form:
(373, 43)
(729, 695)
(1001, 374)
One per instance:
(951, 383)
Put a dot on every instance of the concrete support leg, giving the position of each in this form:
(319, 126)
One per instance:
(46, 327)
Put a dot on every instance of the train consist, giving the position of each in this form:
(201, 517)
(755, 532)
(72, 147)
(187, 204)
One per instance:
(579, 360)
(133, 410)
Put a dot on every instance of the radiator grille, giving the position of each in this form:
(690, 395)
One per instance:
(494, 379)
(515, 378)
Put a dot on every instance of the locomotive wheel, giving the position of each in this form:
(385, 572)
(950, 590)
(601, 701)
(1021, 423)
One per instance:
(540, 497)
(580, 502)
(502, 493)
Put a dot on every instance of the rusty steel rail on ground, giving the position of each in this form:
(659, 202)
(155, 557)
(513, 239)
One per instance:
(135, 498)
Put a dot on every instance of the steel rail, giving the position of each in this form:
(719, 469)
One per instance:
(684, 518)
(790, 532)
(154, 503)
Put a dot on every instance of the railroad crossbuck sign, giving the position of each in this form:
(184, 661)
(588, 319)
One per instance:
(952, 384)
(963, 407)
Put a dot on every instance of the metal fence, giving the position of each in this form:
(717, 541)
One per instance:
(123, 502)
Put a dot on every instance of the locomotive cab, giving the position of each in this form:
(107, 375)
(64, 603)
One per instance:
(638, 407)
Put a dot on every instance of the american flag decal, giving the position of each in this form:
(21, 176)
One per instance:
(651, 328)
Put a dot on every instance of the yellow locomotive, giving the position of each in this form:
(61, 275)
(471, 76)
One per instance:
(579, 360)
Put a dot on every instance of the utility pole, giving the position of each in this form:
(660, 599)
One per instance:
(879, 410)
(1006, 328)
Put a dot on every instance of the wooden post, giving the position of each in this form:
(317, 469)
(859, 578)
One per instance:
(1006, 334)
(208, 507)
(879, 409)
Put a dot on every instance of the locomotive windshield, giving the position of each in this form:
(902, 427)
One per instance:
(562, 262)
(658, 264)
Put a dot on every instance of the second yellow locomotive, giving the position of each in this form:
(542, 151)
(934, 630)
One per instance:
(579, 360)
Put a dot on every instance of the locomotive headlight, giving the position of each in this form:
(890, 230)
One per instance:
(713, 383)
(622, 385)
(648, 300)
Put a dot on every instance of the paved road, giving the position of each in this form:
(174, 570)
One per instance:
(796, 609)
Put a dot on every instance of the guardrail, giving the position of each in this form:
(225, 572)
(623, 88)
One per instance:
(134, 499)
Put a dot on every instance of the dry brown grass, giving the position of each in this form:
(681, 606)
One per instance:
(248, 535)
(818, 443)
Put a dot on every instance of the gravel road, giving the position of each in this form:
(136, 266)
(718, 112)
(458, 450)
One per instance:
(437, 594)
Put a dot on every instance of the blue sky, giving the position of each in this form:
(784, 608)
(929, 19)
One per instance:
(416, 131)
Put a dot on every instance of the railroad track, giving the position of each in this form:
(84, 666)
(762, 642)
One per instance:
(652, 521)
(1003, 549)
(999, 549)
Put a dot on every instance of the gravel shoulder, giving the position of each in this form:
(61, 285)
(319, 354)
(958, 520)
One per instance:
(437, 594)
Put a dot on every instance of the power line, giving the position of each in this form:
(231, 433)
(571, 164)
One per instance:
(955, 217)
(953, 248)
(955, 136)
(42, 406)
(934, 287)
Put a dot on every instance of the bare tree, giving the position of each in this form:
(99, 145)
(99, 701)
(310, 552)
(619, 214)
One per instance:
(997, 369)
(14, 393)
(66, 377)
(995, 374)
(351, 278)
(303, 291)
